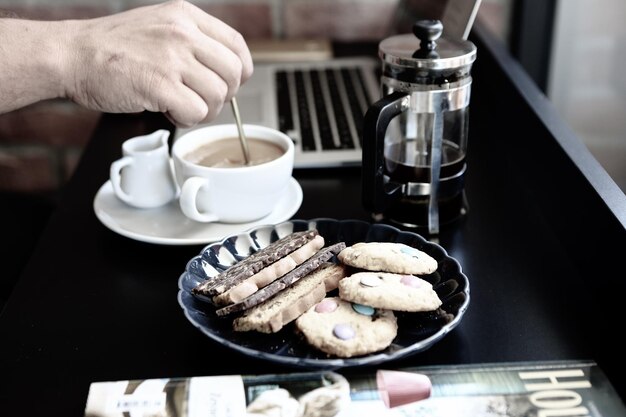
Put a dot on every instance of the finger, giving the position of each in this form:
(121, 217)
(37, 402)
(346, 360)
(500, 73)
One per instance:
(220, 60)
(209, 86)
(182, 105)
(226, 35)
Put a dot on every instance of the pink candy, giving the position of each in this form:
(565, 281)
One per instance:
(326, 306)
(411, 281)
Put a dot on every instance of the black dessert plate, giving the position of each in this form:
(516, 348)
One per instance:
(416, 331)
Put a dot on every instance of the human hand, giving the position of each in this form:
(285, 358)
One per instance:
(171, 58)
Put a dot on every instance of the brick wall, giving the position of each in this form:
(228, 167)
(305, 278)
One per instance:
(41, 144)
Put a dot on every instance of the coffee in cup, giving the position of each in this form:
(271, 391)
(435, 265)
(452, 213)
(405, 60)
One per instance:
(217, 186)
(227, 153)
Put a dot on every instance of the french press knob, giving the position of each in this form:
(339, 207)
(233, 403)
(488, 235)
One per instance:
(426, 90)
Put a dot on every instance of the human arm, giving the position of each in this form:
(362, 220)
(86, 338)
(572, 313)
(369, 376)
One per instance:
(171, 58)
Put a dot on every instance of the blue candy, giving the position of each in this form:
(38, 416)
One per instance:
(363, 309)
(409, 251)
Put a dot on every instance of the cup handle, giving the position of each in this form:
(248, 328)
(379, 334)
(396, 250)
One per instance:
(188, 195)
(116, 178)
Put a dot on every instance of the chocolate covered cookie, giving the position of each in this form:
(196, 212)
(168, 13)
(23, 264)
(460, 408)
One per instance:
(254, 263)
(285, 281)
(271, 315)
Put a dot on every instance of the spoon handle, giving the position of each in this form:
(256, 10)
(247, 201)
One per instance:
(242, 136)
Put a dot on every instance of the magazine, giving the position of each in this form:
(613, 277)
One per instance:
(520, 389)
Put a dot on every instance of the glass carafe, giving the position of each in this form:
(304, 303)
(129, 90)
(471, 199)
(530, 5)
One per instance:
(415, 136)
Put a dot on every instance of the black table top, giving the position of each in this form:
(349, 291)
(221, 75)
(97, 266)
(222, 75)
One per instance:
(540, 246)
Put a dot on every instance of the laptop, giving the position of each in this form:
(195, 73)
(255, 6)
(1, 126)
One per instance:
(319, 104)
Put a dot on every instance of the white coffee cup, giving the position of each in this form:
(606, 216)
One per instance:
(231, 194)
(143, 177)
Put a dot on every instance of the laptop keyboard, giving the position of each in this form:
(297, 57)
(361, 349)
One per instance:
(322, 109)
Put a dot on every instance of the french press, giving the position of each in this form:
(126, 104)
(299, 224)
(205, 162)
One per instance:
(415, 136)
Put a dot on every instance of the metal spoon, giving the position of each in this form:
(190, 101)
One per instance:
(242, 136)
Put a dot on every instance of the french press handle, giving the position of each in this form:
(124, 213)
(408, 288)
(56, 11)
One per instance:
(378, 191)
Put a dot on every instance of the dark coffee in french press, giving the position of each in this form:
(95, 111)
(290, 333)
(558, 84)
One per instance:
(415, 137)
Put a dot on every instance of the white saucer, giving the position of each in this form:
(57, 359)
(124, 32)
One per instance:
(168, 226)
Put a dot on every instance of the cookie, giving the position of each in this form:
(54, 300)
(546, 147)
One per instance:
(271, 315)
(388, 257)
(270, 273)
(389, 291)
(340, 328)
(252, 264)
(285, 281)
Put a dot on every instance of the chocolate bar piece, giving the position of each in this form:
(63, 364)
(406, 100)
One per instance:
(285, 281)
(254, 263)
(271, 315)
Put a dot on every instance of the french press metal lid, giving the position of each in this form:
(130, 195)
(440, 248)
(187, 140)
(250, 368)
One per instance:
(426, 52)
(426, 81)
